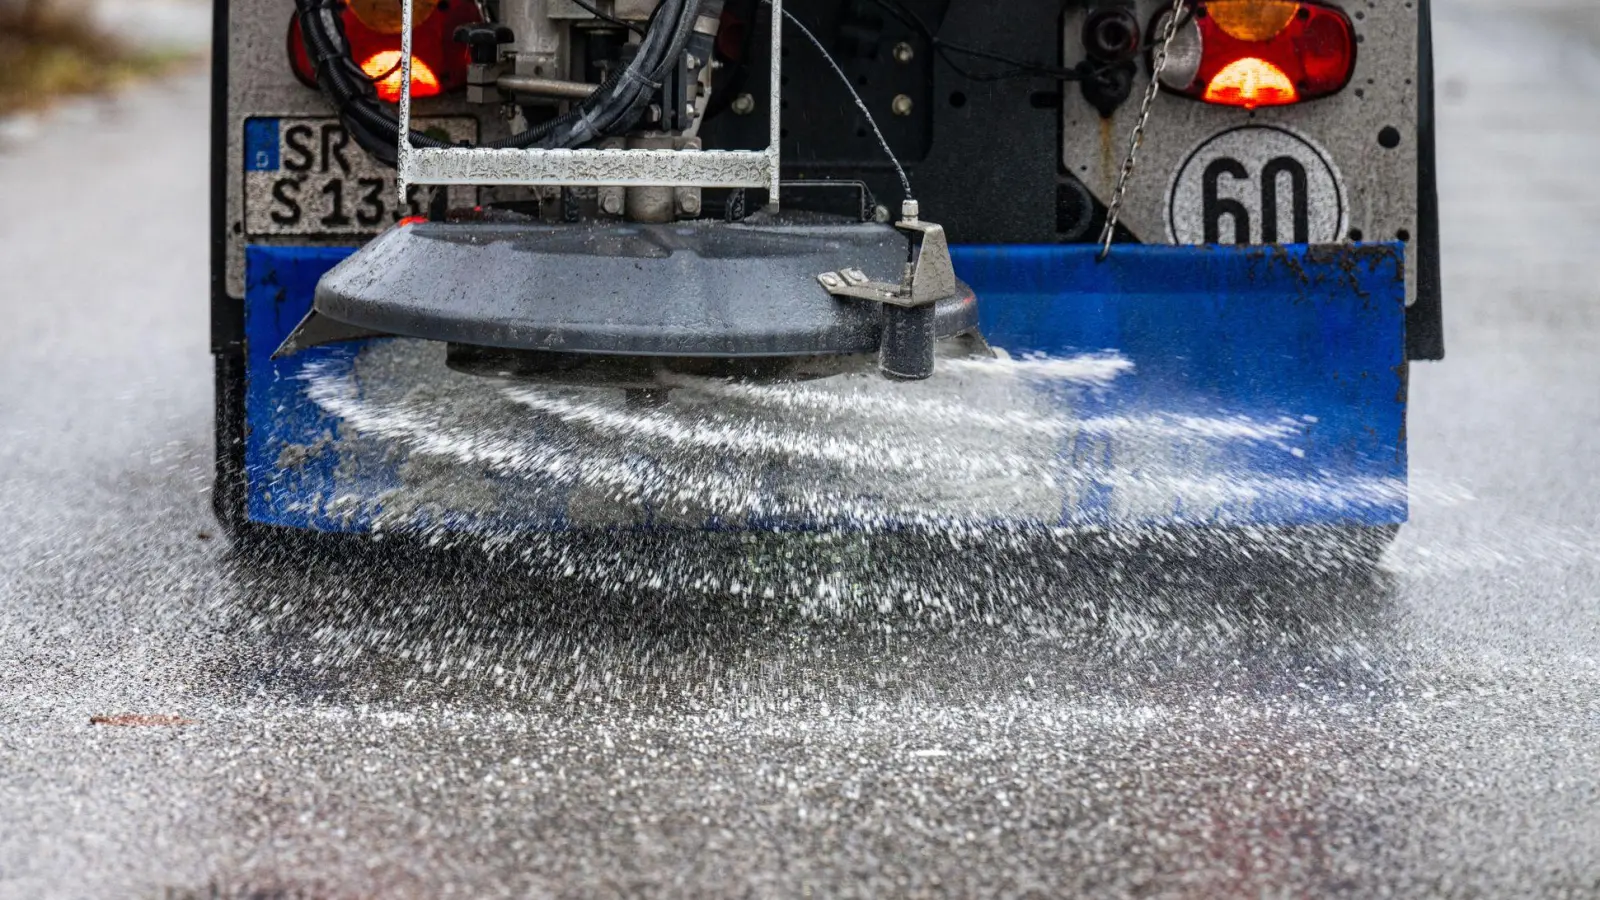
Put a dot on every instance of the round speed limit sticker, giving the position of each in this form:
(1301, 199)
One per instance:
(1257, 184)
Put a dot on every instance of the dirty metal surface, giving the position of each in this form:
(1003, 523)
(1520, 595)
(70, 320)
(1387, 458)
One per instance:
(1247, 386)
(1355, 185)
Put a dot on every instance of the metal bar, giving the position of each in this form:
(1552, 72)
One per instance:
(628, 168)
(775, 126)
(403, 177)
(546, 87)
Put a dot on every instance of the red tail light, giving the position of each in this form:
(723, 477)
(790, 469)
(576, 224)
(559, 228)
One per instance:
(438, 63)
(1254, 53)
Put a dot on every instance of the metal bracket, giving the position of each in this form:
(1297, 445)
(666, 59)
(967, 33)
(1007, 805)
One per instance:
(906, 348)
(317, 329)
(929, 277)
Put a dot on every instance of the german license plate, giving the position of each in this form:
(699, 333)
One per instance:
(307, 176)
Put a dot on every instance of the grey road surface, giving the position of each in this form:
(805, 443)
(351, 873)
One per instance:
(411, 729)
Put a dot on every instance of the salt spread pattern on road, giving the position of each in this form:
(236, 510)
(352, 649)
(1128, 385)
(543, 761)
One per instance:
(630, 720)
(963, 450)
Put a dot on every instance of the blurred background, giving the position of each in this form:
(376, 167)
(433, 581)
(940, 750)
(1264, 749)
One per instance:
(52, 49)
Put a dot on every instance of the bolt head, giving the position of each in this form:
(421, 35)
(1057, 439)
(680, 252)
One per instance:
(830, 280)
(910, 210)
(904, 53)
(743, 105)
(611, 205)
(901, 105)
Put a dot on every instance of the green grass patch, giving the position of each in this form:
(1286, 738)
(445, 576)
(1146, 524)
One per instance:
(43, 59)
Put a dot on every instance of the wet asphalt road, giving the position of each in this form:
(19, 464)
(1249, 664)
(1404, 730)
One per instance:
(412, 729)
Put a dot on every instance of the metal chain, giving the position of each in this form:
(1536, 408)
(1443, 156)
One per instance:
(1114, 210)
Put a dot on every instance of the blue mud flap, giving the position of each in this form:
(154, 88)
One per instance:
(1164, 386)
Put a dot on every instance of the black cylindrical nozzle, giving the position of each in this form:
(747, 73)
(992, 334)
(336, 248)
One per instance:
(1111, 35)
(906, 350)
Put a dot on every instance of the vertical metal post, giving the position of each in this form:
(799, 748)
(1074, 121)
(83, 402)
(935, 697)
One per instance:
(776, 101)
(403, 152)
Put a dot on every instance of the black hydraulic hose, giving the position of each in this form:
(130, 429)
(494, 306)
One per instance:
(352, 92)
(615, 106)
(622, 100)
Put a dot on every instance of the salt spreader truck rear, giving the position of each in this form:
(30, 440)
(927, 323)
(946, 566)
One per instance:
(536, 265)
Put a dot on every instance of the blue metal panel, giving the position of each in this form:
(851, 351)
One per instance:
(1309, 334)
(281, 422)
(1313, 337)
